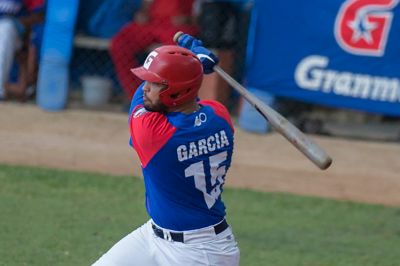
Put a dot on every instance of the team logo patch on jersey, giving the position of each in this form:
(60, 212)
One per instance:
(200, 119)
(362, 26)
(139, 112)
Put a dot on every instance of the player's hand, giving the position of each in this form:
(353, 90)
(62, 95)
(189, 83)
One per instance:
(207, 58)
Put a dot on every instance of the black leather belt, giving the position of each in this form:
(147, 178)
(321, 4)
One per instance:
(178, 237)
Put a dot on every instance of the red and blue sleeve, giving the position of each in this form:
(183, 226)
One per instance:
(219, 110)
(150, 131)
(137, 100)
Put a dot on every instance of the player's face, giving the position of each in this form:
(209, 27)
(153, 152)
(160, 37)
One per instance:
(151, 97)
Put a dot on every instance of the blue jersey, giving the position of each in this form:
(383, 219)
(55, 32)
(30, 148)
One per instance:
(184, 160)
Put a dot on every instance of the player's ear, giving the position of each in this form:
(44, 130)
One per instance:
(164, 87)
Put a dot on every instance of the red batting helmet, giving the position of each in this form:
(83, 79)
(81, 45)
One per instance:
(176, 67)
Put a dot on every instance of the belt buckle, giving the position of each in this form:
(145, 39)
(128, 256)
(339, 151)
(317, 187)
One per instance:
(167, 236)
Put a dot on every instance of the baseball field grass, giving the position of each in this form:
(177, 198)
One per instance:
(53, 217)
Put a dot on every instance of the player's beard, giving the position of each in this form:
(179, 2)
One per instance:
(155, 107)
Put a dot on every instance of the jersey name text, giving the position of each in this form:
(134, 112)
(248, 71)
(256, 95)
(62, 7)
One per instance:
(202, 146)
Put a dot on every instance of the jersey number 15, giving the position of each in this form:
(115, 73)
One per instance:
(217, 174)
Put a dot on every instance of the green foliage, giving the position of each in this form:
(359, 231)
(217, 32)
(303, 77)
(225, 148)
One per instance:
(52, 217)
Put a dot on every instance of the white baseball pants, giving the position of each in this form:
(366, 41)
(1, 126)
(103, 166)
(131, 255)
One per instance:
(202, 247)
(9, 43)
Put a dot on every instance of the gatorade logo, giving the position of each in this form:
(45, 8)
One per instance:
(362, 26)
(200, 119)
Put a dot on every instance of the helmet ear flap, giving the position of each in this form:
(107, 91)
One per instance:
(182, 93)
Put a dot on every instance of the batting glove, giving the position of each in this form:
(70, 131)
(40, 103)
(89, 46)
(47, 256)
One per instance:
(207, 58)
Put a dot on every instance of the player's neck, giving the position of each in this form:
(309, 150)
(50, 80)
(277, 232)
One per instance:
(186, 108)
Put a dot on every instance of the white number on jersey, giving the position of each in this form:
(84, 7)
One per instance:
(217, 177)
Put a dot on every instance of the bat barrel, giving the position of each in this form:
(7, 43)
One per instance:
(304, 144)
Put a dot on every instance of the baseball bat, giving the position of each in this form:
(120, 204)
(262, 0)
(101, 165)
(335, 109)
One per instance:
(303, 143)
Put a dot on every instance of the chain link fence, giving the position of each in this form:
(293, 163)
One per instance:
(222, 25)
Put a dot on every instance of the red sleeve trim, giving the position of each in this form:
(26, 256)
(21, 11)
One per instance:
(220, 110)
(150, 131)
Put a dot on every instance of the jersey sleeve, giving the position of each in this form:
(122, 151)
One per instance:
(137, 98)
(150, 131)
(137, 101)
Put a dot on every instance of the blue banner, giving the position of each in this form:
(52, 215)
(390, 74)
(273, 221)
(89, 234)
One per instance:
(338, 53)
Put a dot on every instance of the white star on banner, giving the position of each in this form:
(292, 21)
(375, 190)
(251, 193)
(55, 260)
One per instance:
(362, 29)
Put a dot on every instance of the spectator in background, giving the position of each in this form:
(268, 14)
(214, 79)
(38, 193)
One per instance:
(155, 23)
(219, 30)
(219, 22)
(23, 84)
(17, 19)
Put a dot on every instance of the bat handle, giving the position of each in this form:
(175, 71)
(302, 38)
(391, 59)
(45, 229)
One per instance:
(177, 36)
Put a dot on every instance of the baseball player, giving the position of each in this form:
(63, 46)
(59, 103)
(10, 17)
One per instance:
(185, 148)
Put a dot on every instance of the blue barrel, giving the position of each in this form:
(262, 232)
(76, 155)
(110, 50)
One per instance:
(53, 90)
(56, 51)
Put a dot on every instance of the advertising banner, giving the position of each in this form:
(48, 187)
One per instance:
(338, 53)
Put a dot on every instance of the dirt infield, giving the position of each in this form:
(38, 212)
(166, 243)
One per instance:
(98, 141)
